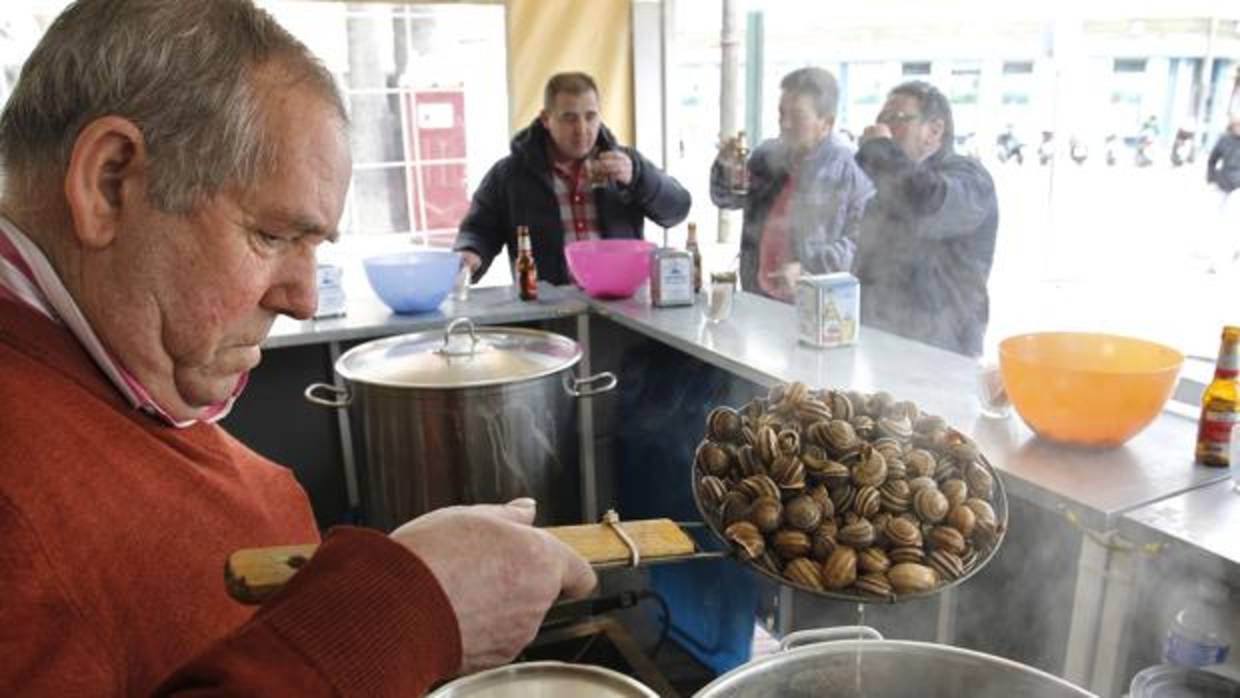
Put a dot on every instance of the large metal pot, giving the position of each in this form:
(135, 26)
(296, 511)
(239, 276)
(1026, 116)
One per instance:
(545, 680)
(877, 667)
(463, 415)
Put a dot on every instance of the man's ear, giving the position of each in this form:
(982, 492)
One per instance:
(937, 128)
(107, 169)
(544, 118)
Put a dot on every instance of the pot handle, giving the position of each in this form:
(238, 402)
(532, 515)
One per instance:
(573, 385)
(342, 399)
(448, 350)
(815, 635)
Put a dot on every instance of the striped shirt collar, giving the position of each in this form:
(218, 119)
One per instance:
(27, 277)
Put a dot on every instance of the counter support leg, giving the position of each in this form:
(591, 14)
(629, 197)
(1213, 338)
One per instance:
(1087, 600)
(585, 430)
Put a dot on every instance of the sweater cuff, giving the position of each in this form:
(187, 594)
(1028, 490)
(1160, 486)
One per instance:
(370, 615)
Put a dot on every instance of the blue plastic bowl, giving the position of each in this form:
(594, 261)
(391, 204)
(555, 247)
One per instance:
(415, 281)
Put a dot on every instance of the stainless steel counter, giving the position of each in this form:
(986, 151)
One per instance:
(368, 317)
(759, 343)
(1205, 519)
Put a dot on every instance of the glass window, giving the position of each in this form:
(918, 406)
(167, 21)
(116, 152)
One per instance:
(1107, 222)
(425, 86)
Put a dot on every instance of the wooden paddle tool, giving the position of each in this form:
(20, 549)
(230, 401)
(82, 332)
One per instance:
(253, 574)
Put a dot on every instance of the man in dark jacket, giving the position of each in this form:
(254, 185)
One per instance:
(928, 236)
(545, 183)
(806, 193)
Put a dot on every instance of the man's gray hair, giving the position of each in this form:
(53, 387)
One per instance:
(818, 84)
(183, 71)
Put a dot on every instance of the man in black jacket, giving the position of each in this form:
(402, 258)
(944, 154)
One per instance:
(546, 184)
(927, 237)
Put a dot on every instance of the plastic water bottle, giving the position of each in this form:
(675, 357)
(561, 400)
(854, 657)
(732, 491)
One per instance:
(1198, 637)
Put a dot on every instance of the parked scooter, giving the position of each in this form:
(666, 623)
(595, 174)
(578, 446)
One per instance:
(1046, 149)
(1145, 143)
(966, 145)
(1009, 147)
(1112, 148)
(1184, 149)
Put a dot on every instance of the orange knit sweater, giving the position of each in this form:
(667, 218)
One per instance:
(114, 529)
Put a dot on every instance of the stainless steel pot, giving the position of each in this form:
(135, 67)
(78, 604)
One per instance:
(545, 680)
(848, 668)
(464, 415)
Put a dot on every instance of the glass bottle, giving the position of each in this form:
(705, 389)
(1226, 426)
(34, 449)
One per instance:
(527, 272)
(740, 166)
(691, 244)
(1220, 406)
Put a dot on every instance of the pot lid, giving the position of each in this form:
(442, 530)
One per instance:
(547, 679)
(460, 356)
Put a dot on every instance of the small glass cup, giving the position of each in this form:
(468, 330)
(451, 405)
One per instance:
(719, 302)
(460, 288)
(595, 173)
(991, 394)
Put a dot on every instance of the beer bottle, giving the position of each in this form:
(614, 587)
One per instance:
(740, 172)
(691, 244)
(1220, 406)
(527, 272)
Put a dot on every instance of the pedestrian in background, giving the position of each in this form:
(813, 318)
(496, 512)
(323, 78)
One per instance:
(806, 194)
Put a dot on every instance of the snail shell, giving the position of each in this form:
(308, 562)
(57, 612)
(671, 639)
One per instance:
(946, 538)
(803, 513)
(920, 463)
(906, 554)
(759, 486)
(896, 470)
(842, 498)
(735, 507)
(896, 496)
(712, 491)
(867, 501)
(840, 436)
(841, 406)
(871, 469)
(863, 425)
(748, 462)
(823, 541)
(714, 458)
(766, 514)
(947, 564)
(906, 409)
(962, 519)
(896, 427)
(956, 491)
(979, 480)
(912, 578)
(878, 403)
(724, 424)
(875, 584)
(748, 539)
(788, 472)
(903, 533)
(789, 442)
(822, 497)
(982, 509)
(928, 423)
(857, 535)
(813, 410)
(873, 560)
(791, 544)
(930, 504)
(804, 572)
(840, 569)
(767, 444)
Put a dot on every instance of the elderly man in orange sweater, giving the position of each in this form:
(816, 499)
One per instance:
(170, 167)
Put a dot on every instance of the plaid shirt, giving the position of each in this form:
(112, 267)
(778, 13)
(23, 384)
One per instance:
(576, 199)
(27, 277)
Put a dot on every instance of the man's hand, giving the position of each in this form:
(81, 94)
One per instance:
(499, 572)
(617, 166)
(875, 131)
(785, 278)
(471, 259)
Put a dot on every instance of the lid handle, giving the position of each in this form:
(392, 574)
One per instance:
(342, 397)
(448, 349)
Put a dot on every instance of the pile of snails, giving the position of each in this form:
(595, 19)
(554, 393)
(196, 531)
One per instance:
(839, 491)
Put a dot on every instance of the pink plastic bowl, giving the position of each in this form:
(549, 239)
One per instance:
(609, 268)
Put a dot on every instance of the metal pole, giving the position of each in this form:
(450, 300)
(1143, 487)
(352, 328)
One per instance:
(729, 71)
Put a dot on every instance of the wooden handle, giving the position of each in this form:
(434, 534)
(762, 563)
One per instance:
(253, 574)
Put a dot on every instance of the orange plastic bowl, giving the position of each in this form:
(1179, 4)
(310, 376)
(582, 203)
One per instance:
(1087, 389)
